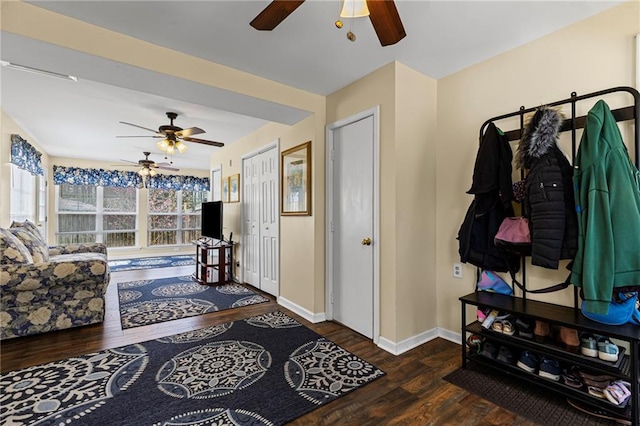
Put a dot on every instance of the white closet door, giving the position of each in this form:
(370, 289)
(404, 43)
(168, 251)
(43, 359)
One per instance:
(269, 215)
(251, 210)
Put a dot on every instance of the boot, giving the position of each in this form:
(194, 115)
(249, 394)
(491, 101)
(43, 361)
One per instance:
(541, 332)
(569, 336)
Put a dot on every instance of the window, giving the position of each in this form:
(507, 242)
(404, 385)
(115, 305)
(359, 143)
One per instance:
(174, 216)
(23, 195)
(88, 214)
(216, 182)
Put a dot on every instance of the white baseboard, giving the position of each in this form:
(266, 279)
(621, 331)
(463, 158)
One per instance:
(417, 340)
(449, 335)
(407, 344)
(304, 313)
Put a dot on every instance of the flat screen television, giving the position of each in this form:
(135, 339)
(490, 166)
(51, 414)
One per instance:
(212, 220)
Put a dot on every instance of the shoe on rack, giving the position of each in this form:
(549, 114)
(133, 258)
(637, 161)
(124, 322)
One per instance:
(489, 350)
(507, 328)
(474, 341)
(525, 328)
(597, 412)
(607, 351)
(528, 361)
(505, 354)
(569, 337)
(549, 369)
(497, 326)
(588, 345)
(600, 381)
(617, 392)
(541, 331)
(571, 377)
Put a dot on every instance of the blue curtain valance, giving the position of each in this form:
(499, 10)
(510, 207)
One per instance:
(101, 177)
(186, 183)
(95, 177)
(25, 156)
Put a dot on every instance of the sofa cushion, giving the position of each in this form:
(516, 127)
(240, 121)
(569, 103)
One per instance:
(31, 227)
(38, 250)
(12, 251)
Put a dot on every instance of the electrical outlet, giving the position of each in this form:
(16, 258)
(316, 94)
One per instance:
(457, 270)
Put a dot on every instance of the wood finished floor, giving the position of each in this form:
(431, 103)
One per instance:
(411, 393)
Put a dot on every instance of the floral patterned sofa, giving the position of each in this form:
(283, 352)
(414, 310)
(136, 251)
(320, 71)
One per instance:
(48, 288)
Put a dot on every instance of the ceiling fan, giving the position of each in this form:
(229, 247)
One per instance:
(147, 167)
(173, 136)
(382, 13)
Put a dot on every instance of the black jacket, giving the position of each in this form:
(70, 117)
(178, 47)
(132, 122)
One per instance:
(549, 200)
(493, 192)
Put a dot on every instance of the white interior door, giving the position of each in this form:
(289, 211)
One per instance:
(353, 290)
(269, 215)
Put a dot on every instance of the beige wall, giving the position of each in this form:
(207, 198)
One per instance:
(591, 55)
(301, 237)
(407, 102)
(9, 127)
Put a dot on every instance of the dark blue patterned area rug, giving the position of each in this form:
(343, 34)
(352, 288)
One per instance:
(145, 302)
(264, 370)
(151, 262)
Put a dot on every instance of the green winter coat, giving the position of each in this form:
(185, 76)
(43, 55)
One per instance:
(607, 193)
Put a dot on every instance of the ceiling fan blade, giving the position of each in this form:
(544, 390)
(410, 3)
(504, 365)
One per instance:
(139, 127)
(203, 141)
(125, 165)
(164, 167)
(386, 21)
(190, 131)
(275, 13)
(150, 136)
(131, 162)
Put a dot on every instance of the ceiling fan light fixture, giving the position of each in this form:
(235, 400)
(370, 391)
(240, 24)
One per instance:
(171, 149)
(152, 172)
(163, 145)
(181, 147)
(354, 9)
(144, 171)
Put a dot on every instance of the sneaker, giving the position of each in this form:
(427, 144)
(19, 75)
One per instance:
(571, 377)
(506, 355)
(525, 328)
(528, 361)
(607, 351)
(549, 369)
(489, 350)
(588, 345)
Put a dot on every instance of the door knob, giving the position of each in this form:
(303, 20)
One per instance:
(366, 241)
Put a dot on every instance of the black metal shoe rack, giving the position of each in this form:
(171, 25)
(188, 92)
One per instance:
(627, 367)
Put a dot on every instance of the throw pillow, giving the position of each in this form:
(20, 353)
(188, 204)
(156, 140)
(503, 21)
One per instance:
(38, 250)
(31, 227)
(12, 251)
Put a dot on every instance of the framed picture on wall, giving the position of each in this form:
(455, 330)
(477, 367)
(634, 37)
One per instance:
(295, 182)
(234, 188)
(224, 196)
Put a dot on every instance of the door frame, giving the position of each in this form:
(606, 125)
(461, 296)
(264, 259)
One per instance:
(375, 114)
(275, 144)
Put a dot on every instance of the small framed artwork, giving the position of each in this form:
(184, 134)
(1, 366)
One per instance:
(234, 188)
(295, 181)
(224, 196)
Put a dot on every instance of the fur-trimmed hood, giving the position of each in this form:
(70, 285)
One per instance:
(540, 134)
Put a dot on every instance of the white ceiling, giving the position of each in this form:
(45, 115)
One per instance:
(80, 120)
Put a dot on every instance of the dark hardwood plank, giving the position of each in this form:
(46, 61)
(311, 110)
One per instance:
(411, 393)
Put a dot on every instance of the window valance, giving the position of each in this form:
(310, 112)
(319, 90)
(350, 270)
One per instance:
(95, 177)
(101, 177)
(25, 156)
(186, 183)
